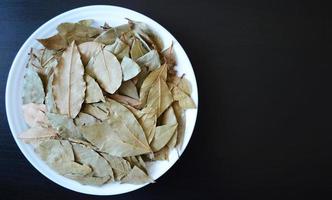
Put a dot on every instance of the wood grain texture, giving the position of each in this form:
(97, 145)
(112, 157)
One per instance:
(263, 71)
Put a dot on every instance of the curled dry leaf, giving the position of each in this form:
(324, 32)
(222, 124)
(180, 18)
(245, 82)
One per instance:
(106, 69)
(68, 83)
(129, 68)
(34, 115)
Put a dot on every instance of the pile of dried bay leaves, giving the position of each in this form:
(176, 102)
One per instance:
(100, 102)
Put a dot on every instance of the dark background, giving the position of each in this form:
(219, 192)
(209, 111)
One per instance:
(264, 77)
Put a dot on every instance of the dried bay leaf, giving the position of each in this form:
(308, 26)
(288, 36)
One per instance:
(86, 22)
(55, 42)
(64, 126)
(162, 154)
(159, 97)
(146, 33)
(120, 166)
(121, 135)
(47, 71)
(100, 167)
(137, 176)
(148, 121)
(129, 89)
(137, 113)
(129, 68)
(68, 83)
(77, 32)
(180, 82)
(150, 60)
(181, 119)
(162, 136)
(34, 115)
(58, 154)
(125, 100)
(137, 161)
(114, 139)
(169, 117)
(88, 50)
(97, 110)
(106, 69)
(169, 57)
(150, 80)
(109, 36)
(118, 48)
(33, 90)
(185, 101)
(49, 99)
(137, 50)
(93, 92)
(37, 132)
(84, 119)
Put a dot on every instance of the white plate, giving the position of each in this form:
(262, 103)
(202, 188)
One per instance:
(114, 16)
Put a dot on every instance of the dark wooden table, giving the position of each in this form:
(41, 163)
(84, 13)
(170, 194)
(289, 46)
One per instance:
(264, 77)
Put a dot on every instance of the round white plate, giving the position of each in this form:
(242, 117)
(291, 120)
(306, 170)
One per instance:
(114, 16)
